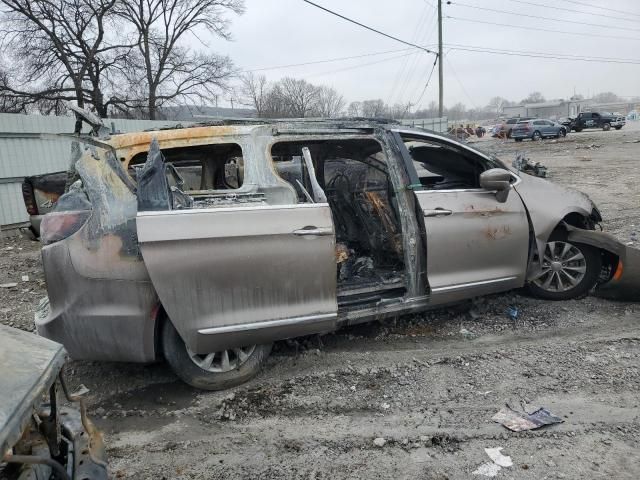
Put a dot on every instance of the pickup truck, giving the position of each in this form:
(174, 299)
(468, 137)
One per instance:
(597, 120)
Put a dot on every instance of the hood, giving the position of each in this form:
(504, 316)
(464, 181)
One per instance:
(30, 365)
(548, 203)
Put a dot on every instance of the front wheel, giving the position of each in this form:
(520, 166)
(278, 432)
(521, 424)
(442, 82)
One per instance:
(212, 371)
(606, 127)
(618, 127)
(536, 136)
(569, 270)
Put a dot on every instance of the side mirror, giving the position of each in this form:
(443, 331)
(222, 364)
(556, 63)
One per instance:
(497, 179)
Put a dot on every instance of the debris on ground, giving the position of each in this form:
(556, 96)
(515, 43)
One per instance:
(520, 421)
(498, 462)
(379, 442)
(513, 312)
(523, 164)
(8, 285)
(588, 147)
(467, 333)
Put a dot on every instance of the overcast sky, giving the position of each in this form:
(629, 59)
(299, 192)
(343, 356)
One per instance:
(280, 32)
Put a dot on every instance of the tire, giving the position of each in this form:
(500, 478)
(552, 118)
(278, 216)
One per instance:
(536, 136)
(562, 133)
(518, 139)
(178, 357)
(584, 257)
(578, 129)
(617, 128)
(606, 127)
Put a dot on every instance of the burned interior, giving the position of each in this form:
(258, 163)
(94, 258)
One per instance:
(353, 175)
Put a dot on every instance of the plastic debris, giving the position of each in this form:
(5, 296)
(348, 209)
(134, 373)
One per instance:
(488, 469)
(25, 278)
(467, 333)
(498, 458)
(379, 442)
(8, 285)
(499, 461)
(520, 421)
(513, 312)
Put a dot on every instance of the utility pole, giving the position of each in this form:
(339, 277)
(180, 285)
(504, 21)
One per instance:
(440, 70)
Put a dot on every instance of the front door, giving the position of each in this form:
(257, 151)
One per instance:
(244, 273)
(474, 243)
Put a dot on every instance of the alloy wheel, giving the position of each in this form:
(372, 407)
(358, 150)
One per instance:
(224, 361)
(563, 267)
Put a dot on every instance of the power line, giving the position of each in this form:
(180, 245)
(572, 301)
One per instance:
(520, 14)
(555, 7)
(367, 27)
(570, 56)
(608, 9)
(417, 102)
(358, 66)
(325, 61)
(542, 55)
(522, 27)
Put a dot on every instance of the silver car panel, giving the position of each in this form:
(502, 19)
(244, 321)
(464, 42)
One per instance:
(236, 267)
(480, 246)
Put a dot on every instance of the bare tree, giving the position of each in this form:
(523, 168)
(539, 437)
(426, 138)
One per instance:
(534, 97)
(329, 102)
(257, 91)
(299, 96)
(354, 109)
(59, 51)
(374, 108)
(164, 66)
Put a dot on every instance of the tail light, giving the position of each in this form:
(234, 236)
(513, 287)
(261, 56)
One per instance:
(57, 226)
(29, 198)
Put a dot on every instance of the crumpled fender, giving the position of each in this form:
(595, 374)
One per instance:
(625, 281)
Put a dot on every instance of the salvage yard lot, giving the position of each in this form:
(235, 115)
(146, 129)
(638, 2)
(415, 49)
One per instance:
(427, 384)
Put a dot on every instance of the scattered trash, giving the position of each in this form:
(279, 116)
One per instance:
(385, 406)
(498, 458)
(379, 442)
(523, 164)
(9, 248)
(499, 461)
(25, 278)
(488, 469)
(588, 147)
(632, 141)
(520, 421)
(467, 333)
(513, 312)
(8, 285)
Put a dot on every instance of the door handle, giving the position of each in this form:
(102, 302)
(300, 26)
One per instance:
(437, 212)
(318, 232)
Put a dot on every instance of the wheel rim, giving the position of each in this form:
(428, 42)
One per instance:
(224, 361)
(536, 136)
(563, 267)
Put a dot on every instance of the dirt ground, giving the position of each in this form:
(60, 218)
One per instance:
(426, 384)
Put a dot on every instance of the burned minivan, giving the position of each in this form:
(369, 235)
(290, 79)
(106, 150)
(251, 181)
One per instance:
(205, 244)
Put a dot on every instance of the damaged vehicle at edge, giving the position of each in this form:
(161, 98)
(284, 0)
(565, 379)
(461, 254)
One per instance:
(203, 245)
(39, 437)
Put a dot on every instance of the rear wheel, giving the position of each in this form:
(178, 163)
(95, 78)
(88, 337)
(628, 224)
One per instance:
(212, 371)
(569, 270)
(606, 127)
(536, 135)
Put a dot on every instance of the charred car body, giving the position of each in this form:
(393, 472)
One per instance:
(42, 440)
(205, 244)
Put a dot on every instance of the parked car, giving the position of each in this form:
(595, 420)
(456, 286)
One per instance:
(537, 129)
(205, 244)
(504, 129)
(598, 120)
(39, 438)
(40, 193)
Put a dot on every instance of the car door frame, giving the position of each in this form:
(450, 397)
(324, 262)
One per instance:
(466, 290)
(248, 305)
